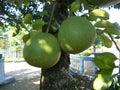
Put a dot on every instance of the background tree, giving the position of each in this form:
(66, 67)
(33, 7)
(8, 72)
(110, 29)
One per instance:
(26, 14)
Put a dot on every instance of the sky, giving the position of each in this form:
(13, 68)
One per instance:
(114, 15)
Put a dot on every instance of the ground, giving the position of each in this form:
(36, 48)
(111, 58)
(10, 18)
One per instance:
(26, 77)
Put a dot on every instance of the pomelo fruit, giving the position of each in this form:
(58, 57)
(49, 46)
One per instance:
(42, 50)
(76, 34)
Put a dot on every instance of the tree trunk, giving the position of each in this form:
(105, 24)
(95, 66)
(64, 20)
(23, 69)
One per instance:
(58, 77)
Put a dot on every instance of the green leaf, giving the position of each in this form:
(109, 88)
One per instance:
(98, 13)
(106, 41)
(99, 31)
(37, 25)
(28, 18)
(26, 38)
(16, 31)
(107, 72)
(87, 5)
(104, 24)
(32, 33)
(108, 27)
(105, 61)
(20, 2)
(26, 2)
(75, 6)
(102, 82)
(1, 24)
(29, 35)
(13, 1)
(112, 31)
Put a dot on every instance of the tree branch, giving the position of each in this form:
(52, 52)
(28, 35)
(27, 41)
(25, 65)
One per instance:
(51, 17)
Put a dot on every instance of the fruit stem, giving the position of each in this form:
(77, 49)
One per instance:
(52, 13)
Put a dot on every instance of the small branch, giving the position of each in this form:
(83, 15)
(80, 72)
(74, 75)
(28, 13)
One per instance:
(51, 17)
(114, 42)
(117, 49)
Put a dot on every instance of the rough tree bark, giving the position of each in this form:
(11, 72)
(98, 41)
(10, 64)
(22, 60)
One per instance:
(58, 77)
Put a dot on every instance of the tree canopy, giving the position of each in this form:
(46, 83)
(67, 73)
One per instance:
(12, 12)
(47, 16)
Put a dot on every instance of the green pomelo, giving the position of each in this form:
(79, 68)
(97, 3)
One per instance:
(42, 50)
(76, 34)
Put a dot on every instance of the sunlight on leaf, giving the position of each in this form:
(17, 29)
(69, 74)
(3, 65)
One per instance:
(105, 60)
(16, 31)
(98, 13)
(102, 82)
(104, 24)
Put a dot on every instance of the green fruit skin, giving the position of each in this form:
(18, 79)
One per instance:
(42, 50)
(76, 34)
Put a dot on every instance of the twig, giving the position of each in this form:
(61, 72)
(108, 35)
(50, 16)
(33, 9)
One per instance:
(52, 13)
(119, 53)
(114, 42)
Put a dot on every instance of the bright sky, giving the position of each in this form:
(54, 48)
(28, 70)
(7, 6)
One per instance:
(114, 15)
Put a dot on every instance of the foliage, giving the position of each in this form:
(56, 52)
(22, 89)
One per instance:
(4, 43)
(105, 62)
(39, 16)
(10, 41)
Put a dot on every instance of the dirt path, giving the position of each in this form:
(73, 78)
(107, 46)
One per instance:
(26, 77)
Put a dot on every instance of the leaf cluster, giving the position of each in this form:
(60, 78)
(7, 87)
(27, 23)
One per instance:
(104, 28)
(105, 62)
